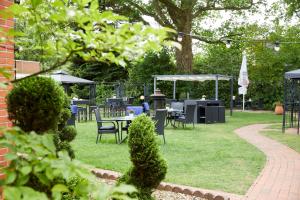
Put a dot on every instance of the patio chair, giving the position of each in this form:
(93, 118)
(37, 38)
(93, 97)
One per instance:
(188, 116)
(159, 118)
(177, 105)
(113, 129)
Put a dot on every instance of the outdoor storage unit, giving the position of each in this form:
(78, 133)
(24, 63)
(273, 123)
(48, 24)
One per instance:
(208, 111)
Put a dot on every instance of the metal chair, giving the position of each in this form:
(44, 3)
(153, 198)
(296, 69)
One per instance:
(177, 105)
(105, 129)
(159, 118)
(188, 116)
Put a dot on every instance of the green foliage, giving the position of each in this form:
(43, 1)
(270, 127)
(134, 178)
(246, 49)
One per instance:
(68, 133)
(153, 63)
(57, 30)
(35, 172)
(64, 145)
(149, 168)
(35, 104)
(39, 104)
(293, 7)
(266, 67)
(65, 113)
(103, 91)
(62, 138)
(98, 71)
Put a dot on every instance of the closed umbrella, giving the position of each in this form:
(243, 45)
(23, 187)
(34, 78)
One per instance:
(243, 80)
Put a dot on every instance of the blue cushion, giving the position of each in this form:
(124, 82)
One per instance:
(146, 106)
(137, 110)
(74, 109)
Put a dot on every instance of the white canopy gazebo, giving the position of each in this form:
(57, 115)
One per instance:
(197, 77)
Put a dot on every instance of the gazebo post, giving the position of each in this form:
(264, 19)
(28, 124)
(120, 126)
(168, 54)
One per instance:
(284, 105)
(217, 85)
(231, 95)
(174, 90)
(92, 93)
(292, 103)
(154, 85)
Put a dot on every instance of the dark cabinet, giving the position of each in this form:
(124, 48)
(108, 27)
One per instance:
(211, 114)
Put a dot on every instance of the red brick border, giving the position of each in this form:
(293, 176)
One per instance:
(6, 61)
(197, 192)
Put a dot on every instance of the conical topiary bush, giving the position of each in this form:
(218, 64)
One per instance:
(149, 168)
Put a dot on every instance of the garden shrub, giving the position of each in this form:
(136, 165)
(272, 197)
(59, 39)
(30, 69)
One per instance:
(35, 172)
(149, 168)
(64, 145)
(68, 133)
(39, 104)
(65, 113)
(35, 104)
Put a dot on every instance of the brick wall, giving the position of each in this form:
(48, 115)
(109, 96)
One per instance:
(6, 61)
(27, 67)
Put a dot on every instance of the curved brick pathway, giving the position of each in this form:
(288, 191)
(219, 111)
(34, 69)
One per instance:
(280, 178)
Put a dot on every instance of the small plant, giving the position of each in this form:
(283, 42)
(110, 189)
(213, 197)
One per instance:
(35, 104)
(278, 103)
(149, 168)
(35, 172)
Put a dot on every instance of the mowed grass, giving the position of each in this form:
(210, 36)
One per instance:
(209, 156)
(292, 141)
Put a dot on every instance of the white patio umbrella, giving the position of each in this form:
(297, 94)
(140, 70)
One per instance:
(243, 80)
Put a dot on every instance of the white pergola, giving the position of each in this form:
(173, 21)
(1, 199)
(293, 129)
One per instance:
(194, 77)
(197, 77)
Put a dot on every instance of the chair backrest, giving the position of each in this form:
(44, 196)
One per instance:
(98, 117)
(160, 117)
(177, 105)
(190, 113)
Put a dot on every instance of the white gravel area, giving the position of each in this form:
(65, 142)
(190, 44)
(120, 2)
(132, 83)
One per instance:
(162, 195)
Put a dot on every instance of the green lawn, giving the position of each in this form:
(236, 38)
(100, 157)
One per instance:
(293, 141)
(209, 156)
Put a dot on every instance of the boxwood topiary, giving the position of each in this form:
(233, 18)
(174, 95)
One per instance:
(39, 104)
(64, 145)
(149, 168)
(35, 104)
(68, 133)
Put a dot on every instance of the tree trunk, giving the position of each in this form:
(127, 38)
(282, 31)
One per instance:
(184, 57)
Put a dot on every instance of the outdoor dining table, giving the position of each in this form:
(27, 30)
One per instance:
(120, 121)
(172, 114)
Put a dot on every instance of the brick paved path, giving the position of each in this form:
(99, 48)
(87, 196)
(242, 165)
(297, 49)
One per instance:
(280, 178)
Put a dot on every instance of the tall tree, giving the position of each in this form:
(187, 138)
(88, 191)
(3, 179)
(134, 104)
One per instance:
(181, 15)
(293, 7)
(62, 29)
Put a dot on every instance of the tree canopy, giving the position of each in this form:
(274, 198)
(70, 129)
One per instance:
(182, 16)
(60, 29)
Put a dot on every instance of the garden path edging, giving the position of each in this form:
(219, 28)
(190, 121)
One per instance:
(197, 192)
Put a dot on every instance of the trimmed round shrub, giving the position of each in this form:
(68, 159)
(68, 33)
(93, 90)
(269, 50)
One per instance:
(65, 113)
(35, 104)
(67, 147)
(149, 168)
(68, 133)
